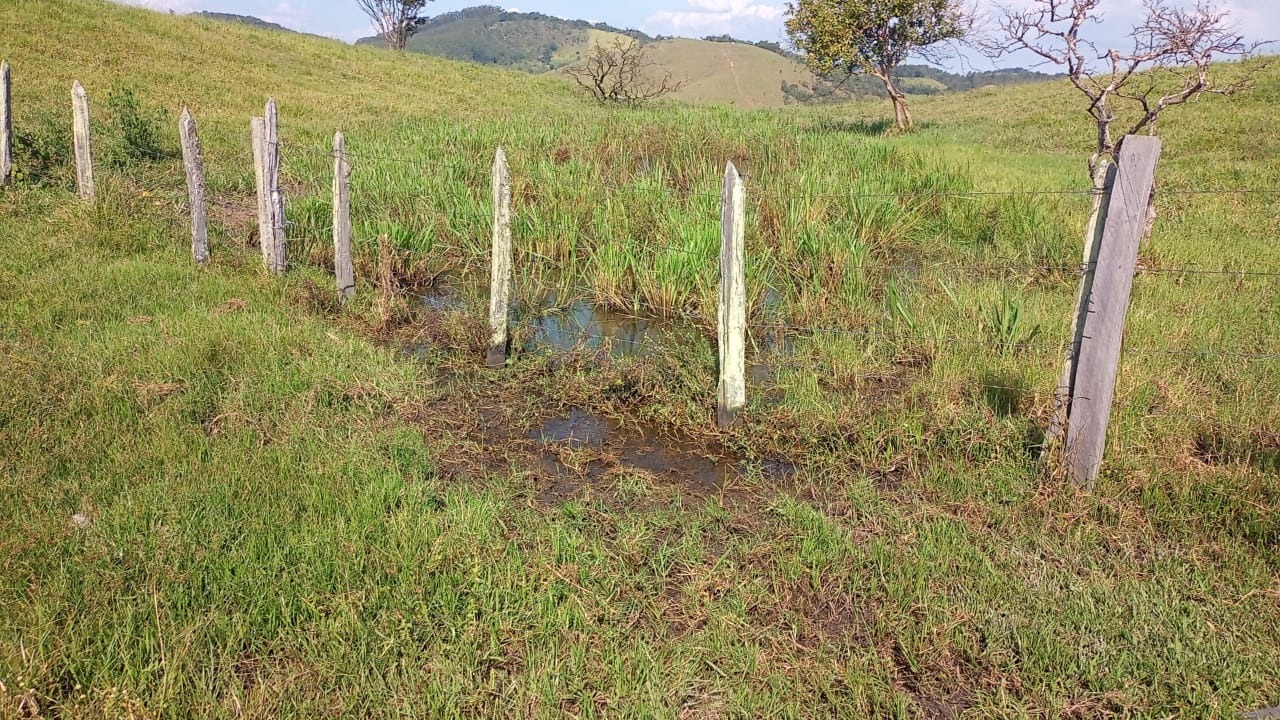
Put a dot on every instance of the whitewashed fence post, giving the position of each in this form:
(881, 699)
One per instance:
(6, 125)
(193, 161)
(500, 285)
(731, 395)
(277, 249)
(343, 271)
(258, 126)
(83, 141)
(1104, 307)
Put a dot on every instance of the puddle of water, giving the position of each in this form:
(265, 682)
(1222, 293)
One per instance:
(596, 327)
(637, 449)
(439, 298)
(580, 429)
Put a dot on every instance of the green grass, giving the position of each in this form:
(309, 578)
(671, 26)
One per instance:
(290, 517)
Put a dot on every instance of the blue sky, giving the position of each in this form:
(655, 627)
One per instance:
(747, 19)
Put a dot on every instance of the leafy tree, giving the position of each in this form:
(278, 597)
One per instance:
(874, 37)
(396, 20)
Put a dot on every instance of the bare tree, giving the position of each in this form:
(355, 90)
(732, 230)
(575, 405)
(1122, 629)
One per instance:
(621, 72)
(1170, 63)
(395, 19)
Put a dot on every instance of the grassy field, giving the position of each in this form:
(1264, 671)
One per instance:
(224, 496)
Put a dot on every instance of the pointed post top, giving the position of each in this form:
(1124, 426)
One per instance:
(500, 171)
(731, 173)
(77, 88)
(185, 117)
(4, 67)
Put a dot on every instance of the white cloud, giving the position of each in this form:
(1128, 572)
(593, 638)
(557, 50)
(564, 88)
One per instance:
(181, 6)
(744, 18)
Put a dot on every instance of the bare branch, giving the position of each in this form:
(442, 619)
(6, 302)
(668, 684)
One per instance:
(622, 73)
(395, 20)
(1170, 63)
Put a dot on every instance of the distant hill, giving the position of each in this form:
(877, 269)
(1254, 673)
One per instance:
(530, 42)
(715, 70)
(243, 19)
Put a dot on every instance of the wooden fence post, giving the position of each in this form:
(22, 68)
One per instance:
(193, 160)
(500, 285)
(343, 271)
(277, 250)
(731, 395)
(1103, 182)
(84, 149)
(258, 126)
(1103, 307)
(6, 125)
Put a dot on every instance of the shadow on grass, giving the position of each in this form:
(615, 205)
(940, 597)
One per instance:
(885, 127)
(1007, 396)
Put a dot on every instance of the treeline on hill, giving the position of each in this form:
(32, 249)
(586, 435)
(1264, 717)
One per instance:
(913, 79)
(532, 42)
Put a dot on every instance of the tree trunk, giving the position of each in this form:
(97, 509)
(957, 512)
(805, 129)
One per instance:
(901, 113)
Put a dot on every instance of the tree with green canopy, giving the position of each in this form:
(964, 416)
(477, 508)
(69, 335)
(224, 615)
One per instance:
(874, 37)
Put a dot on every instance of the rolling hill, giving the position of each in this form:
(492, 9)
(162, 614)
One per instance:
(719, 73)
(716, 70)
(490, 35)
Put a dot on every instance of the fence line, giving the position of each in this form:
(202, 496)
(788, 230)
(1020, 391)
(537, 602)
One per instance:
(1094, 352)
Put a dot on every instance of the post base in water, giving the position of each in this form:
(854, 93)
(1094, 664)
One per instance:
(496, 357)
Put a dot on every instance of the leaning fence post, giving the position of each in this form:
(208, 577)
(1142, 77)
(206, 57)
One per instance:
(1104, 306)
(343, 271)
(1103, 181)
(731, 395)
(193, 160)
(6, 125)
(500, 285)
(277, 251)
(84, 151)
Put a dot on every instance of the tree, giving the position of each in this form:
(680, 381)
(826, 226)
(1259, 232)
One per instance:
(874, 37)
(1170, 63)
(395, 20)
(621, 72)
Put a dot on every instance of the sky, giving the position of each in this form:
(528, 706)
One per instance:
(745, 19)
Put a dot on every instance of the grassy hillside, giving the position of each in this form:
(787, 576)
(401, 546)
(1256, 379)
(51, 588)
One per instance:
(225, 496)
(715, 70)
(735, 74)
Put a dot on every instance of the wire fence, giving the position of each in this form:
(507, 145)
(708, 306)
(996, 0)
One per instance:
(920, 270)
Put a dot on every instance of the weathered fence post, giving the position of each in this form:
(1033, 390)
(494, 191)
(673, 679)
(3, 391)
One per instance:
(1103, 307)
(84, 149)
(277, 250)
(343, 271)
(258, 126)
(6, 125)
(1103, 181)
(500, 285)
(731, 395)
(193, 160)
